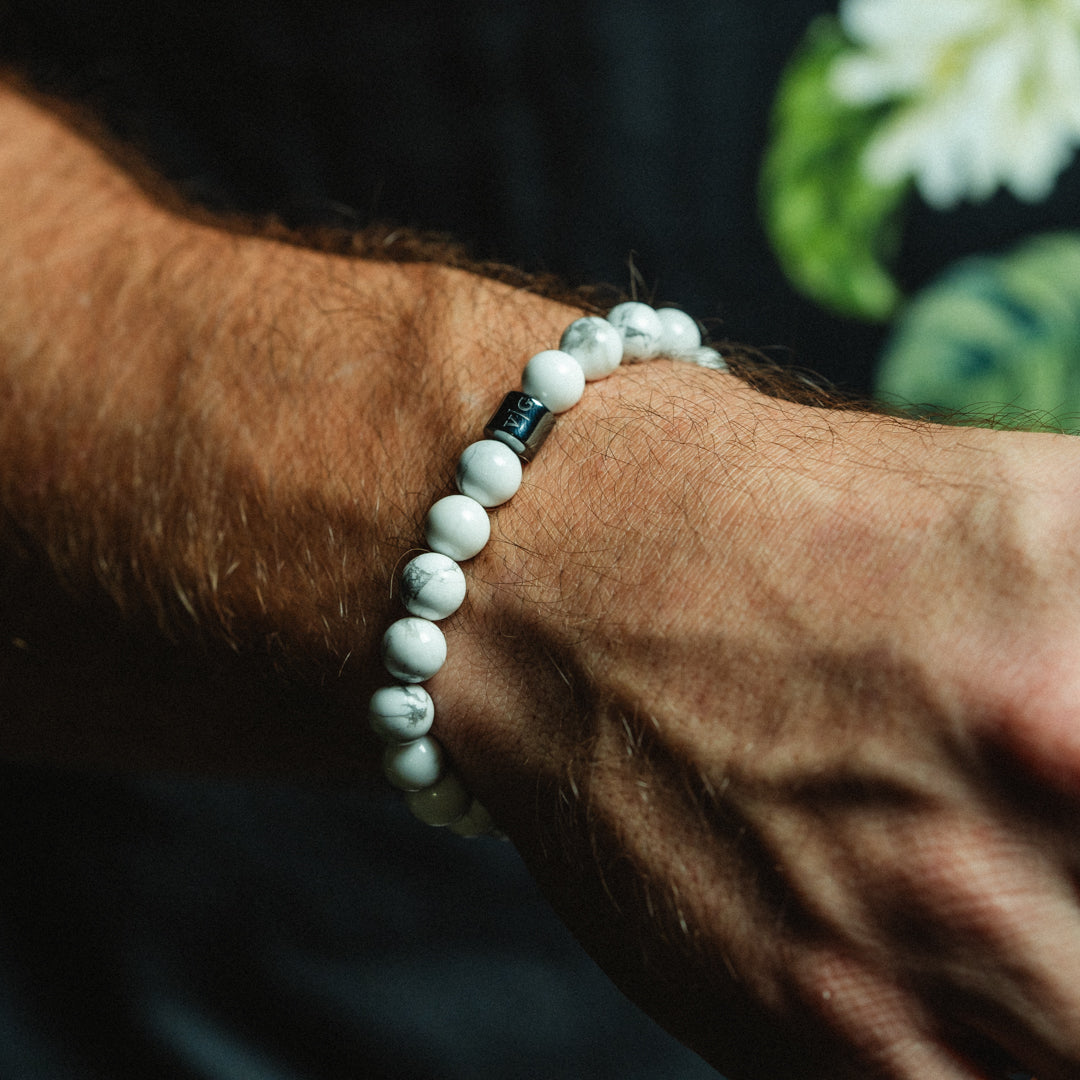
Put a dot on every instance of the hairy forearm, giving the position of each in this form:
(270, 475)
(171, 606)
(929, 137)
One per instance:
(229, 438)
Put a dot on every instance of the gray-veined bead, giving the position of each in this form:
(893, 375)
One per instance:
(433, 585)
(555, 379)
(414, 765)
(705, 357)
(680, 333)
(413, 649)
(400, 714)
(457, 527)
(639, 327)
(595, 344)
(489, 472)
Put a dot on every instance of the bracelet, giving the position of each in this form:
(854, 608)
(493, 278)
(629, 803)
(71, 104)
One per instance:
(489, 473)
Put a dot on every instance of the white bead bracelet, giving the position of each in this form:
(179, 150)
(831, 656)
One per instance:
(457, 528)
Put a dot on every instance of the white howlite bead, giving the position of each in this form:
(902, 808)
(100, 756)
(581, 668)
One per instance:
(681, 333)
(414, 765)
(441, 804)
(401, 713)
(639, 327)
(477, 822)
(432, 585)
(458, 527)
(413, 649)
(489, 472)
(595, 344)
(705, 357)
(555, 379)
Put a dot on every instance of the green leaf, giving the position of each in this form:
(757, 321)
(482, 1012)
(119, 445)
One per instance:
(996, 339)
(833, 229)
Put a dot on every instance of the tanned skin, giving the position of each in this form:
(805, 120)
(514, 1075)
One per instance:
(780, 704)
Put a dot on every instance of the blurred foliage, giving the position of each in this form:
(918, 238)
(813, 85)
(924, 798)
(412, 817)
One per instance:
(833, 229)
(995, 339)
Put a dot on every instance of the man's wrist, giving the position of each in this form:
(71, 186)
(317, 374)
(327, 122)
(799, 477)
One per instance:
(234, 437)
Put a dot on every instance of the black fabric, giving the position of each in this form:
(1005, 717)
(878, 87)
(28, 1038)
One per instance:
(163, 928)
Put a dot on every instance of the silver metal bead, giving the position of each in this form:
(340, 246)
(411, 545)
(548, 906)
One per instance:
(522, 422)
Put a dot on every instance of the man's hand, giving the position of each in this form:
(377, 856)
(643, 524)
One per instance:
(782, 707)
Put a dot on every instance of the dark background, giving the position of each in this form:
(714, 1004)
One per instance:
(567, 137)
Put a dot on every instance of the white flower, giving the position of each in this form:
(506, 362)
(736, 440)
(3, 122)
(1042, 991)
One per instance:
(986, 92)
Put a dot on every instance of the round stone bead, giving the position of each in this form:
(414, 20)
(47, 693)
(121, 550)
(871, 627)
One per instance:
(441, 804)
(457, 527)
(477, 822)
(555, 379)
(413, 649)
(414, 765)
(401, 713)
(595, 344)
(705, 357)
(639, 327)
(432, 585)
(681, 334)
(489, 472)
